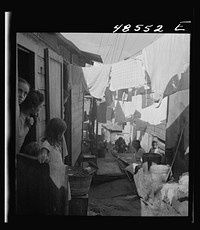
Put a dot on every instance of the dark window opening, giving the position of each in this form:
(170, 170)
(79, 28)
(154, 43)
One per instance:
(26, 71)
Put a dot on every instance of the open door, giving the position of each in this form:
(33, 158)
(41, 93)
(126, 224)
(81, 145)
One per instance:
(25, 65)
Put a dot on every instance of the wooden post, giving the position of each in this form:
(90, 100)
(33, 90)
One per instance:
(46, 55)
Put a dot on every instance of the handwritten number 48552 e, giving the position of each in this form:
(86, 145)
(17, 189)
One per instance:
(147, 28)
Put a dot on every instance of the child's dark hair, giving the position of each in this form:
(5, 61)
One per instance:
(55, 127)
(136, 144)
(154, 142)
(33, 99)
(20, 79)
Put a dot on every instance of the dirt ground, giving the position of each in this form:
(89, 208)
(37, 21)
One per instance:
(114, 198)
(119, 198)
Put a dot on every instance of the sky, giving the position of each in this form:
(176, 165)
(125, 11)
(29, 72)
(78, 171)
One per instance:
(112, 47)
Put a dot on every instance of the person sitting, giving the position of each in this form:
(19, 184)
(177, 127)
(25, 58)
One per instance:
(139, 151)
(154, 148)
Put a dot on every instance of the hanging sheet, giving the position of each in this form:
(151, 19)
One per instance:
(166, 57)
(101, 112)
(119, 113)
(96, 78)
(127, 74)
(153, 115)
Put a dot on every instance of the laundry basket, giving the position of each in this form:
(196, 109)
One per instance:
(80, 181)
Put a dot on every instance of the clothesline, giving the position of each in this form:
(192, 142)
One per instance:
(164, 58)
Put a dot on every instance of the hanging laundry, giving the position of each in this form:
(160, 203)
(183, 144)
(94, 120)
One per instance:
(96, 78)
(119, 114)
(109, 113)
(166, 57)
(108, 96)
(101, 112)
(129, 94)
(153, 115)
(121, 94)
(126, 74)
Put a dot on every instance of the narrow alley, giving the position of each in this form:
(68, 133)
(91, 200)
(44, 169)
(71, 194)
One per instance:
(100, 138)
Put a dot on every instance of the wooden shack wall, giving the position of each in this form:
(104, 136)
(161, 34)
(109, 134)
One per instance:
(178, 118)
(37, 43)
(77, 121)
(36, 46)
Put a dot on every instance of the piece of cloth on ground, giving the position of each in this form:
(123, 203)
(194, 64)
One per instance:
(131, 168)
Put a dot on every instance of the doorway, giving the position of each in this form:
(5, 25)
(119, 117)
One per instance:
(26, 71)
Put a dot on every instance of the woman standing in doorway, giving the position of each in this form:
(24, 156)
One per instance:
(23, 89)
(30, 106)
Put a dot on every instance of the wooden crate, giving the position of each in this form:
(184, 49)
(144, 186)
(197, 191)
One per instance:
(78, 206)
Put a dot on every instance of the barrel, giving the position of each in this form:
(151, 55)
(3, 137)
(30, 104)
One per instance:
(159, 172)
(151, 157)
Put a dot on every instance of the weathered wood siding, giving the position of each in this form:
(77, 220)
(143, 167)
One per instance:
(40, 85)
(30, 42)
(55, 84)
(77, 121)
(34, 44)
(53, 91)
(178, 118)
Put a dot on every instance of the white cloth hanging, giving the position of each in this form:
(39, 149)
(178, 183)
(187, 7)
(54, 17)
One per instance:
(127, 74)
(166, 57)
(96, 78)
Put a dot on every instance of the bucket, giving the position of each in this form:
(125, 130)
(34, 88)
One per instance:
(159, 172)
(151, 157)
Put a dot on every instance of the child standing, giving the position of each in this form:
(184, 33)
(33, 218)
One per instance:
(51, 147)
(51, 152)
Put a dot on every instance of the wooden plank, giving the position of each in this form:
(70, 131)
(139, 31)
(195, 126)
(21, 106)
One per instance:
(31, 42)
(55, 88)
(41, 129)
(42, 113)
(77, 117)
(75, 59)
